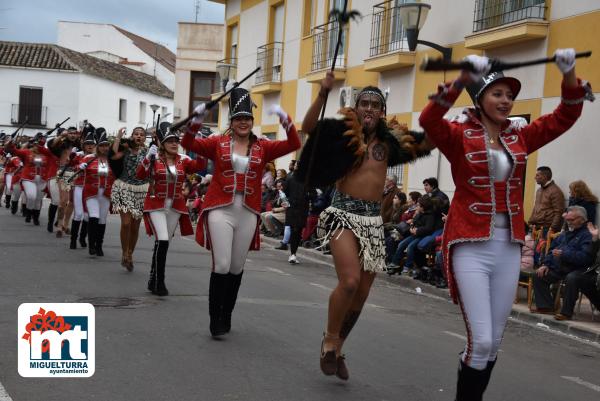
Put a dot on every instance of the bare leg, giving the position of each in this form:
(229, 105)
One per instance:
(344, 249)
(126, 221)
(364, 287)
(134, 231)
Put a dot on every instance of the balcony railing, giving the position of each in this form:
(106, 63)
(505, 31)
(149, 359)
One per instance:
(494, 13)
(34, 113)
(324, 42)
(223, 67)
(268, 58)
(387, 34)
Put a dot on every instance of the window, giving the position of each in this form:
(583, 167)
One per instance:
(233, 41)
(333, 36)
(30, 105)
(122, 110)
(307, 22)
(142, 112)
(493, 13)
(203, 84)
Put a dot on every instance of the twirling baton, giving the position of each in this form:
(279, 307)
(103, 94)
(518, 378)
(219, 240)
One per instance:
(212, 103)
(439, 64)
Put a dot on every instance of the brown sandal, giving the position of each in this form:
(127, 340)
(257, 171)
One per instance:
(342, 370)
(328, 359)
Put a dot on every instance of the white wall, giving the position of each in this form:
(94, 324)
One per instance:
(569, 8)
(89, 37)
(253, 33)
(59, 95)
(99, 104)
(232, 8)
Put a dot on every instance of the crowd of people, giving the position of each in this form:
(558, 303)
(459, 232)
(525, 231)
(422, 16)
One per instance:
(338, 197)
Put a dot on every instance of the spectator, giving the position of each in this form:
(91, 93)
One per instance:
(320, 202)
(292, 167)
(549, 202)
(392, 235)
(268, 177)
(589, 282)
(430, 185)
(569, 256)
(581, 195)
(389, 191)
(281, 174)
(274, 221)
(423, 225)
(441, 205)
(296, 213)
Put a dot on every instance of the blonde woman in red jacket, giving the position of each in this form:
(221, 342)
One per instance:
(164, 206)
(485, 226)
(229, 222)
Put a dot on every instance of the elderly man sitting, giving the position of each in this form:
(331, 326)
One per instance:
(568, 258)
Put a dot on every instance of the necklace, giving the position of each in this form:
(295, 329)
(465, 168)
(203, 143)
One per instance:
(492, 141)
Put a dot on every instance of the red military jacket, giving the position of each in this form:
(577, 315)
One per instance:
(466, 145)
(53, 162)
(168, 186)
(226, 183)
(12, 164)
(92, 180)
(33, 164)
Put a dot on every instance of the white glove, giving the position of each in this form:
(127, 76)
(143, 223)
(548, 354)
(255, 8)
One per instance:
(74, 150)
(565, 59)
(80, 153)
(152, 152)
(201, 111)
(276, 109)
(83, 166)
(480, 64)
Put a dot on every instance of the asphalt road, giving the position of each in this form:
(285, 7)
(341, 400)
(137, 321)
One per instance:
(405, 346)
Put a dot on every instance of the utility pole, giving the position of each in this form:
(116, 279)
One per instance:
(198, 9)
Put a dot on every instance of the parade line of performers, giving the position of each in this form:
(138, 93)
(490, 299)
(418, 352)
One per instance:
(85, 176)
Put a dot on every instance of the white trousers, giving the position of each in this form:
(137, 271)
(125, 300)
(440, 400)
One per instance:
(98, 206)
(486, 274)
(54, 191)
(33, 192)
(7, 183)
(164, 222)
(78, 213)
(231, 230)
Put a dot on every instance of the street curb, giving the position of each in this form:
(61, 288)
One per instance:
(568, 327)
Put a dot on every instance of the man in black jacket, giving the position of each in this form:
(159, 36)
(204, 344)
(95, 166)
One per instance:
(568, 258)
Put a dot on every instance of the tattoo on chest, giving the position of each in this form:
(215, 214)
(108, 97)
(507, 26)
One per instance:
(379, 152)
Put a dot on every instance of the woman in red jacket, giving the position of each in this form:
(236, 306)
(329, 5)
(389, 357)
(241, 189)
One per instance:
(97, 183)
(36, 161)
(484, 228)
(165, 206)
(228, 224)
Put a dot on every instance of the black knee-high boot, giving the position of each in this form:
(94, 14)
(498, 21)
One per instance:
(23, 207)
(36, 217)
(14, 206)
(101, 228)
(51, 215)
(231, 292)
(471, 383)
(216, 296)
(92, 229)
(27, 213)
(7, 201)
(74, 233)
(152, 280)
(160, 288)
(83, 234)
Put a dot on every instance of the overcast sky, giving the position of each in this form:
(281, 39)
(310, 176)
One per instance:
(36, 20)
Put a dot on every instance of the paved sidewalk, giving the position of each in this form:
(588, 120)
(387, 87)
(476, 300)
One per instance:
(582, 326)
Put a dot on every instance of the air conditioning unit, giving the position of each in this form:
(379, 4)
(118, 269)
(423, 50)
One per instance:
(348, 96)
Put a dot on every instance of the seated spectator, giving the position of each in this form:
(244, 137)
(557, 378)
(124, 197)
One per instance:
(441, 206)
(569, 256)
(390, 190)
(268, 177)
(589, 282)
(274, 221)
(281, 175)
(422, 226)
(316, 205)
(392, 236)
(581, 195)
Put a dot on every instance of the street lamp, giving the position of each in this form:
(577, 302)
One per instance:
(413, 16)
(154, 107)
(226, 71)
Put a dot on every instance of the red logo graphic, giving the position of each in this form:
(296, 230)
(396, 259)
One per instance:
(44, 321)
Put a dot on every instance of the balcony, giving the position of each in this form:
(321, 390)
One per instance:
(34, 113)
(389, 47)
(498, 23)
(268, 78)
(324, 42)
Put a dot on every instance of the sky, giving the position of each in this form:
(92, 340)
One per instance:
(36, 20)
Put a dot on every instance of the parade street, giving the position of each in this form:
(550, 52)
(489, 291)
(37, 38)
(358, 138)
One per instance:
(405, 346)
